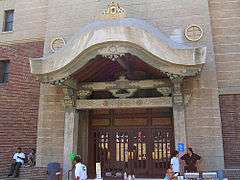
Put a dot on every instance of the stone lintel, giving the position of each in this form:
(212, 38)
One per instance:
(123, 83)
(124, 103)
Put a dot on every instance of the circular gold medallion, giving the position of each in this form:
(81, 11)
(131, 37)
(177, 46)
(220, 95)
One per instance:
(57, 43)
(193, 32)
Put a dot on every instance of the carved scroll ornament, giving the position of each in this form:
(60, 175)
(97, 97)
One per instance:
(113, 52)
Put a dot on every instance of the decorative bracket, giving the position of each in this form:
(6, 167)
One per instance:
(83, 94)
(165, 91)
(113, 52)
(123, 93)
(124, 88)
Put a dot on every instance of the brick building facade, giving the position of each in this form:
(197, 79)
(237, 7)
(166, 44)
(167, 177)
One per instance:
(19, 100)
(34, 101)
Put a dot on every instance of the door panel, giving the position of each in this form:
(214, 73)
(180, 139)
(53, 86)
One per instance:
(140, 150)
(162, 145)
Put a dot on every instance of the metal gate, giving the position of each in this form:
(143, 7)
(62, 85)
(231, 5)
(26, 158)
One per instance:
(140, 150)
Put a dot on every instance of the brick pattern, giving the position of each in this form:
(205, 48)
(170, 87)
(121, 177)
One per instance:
(19, 100)
(36, 173)
(232, 174)
(230, 112)
(225, 20)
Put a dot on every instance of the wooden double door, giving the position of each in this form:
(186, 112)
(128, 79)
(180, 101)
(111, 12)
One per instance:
(135, 141)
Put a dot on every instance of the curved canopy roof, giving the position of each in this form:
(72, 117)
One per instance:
(118, 37)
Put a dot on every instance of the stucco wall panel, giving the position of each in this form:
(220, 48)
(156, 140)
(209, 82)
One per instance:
(165, 15)
(29, 20)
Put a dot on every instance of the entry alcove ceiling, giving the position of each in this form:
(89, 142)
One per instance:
(102, 69)
(128, 35)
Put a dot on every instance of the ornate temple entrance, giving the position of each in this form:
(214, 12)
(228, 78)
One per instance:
(122, 64)
(136, 141)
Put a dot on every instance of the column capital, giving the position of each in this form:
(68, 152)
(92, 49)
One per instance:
(175, 78)
(177, 81)
(178, 100)
(68, 102)
(69, 97)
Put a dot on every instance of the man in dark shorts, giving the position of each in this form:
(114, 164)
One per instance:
(190, 160)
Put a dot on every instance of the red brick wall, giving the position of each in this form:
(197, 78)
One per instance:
(230, 113)
(19, 99)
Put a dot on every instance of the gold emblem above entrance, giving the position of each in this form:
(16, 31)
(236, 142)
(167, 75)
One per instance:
(113, 11)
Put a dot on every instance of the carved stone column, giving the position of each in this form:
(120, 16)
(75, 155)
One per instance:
(178, 111)
(83, 135)
(70, 128)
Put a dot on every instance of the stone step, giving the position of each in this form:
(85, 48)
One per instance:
(40, 173)
(30, 173)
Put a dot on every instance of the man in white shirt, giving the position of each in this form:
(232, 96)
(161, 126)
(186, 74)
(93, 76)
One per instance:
(175, 164)
(80, 169)
(18, 160)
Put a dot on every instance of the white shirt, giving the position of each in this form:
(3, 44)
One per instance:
(175, 164)
(17, 159)
(81, 171)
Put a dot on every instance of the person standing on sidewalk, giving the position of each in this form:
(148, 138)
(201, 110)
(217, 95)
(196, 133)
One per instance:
(190, 159)
(175, 164)
(80, 169)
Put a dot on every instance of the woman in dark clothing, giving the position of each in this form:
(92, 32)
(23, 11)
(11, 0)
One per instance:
(190, 160)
